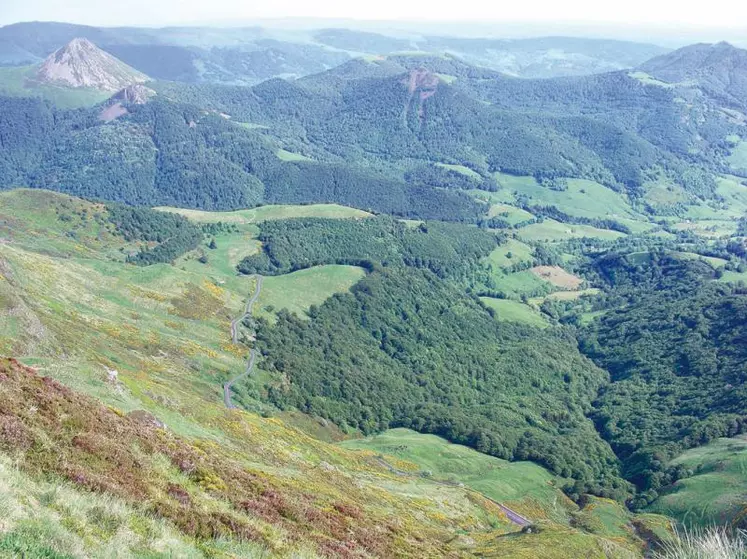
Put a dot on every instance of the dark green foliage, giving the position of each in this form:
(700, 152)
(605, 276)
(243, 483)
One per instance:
(448, 250)
(675, 348)
(408, 349)
(174, 233)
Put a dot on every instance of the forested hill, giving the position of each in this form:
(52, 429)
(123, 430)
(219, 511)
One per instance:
(370, 134)
(166, 153)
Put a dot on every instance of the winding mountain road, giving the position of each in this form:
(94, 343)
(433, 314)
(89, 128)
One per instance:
(235, 339)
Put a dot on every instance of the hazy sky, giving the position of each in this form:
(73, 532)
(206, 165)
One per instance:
(669, 13)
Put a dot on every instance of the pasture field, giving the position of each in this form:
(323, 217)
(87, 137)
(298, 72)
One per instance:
(270, 212)
(551, 230)
(297, 291)
(715, 493)
(515, 311)
(738, 155)
(511, 252)
(582, 198)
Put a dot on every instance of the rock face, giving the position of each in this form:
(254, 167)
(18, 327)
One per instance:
(136, 94)
(116, 106)
(80, 63)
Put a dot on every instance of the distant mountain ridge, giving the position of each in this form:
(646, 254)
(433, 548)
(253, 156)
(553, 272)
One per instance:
(80, 63)
(720, 69)
(248, 55)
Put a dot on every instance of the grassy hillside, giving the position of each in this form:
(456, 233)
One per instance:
(297, 291)
(564, 529)
(514, 311)
(18, 81)
(132, 349)
(715, 491)
(264, 213)
(165, 331)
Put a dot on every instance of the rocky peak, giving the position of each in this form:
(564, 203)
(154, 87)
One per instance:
(80, 63)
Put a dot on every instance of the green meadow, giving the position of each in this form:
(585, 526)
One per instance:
(515, 311)
(715, 491)
(298, 291)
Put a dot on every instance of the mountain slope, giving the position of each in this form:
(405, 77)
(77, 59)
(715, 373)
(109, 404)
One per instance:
(719, 69)
(80, 63)
(128, 365)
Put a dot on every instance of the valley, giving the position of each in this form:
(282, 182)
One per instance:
(336, 293)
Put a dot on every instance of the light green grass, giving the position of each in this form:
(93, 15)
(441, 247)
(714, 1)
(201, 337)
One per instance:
(447, 78)
(709, 228)
(582, 198)
(712, 260)
(270, 212)
(18, 82)
(715, 493)
(519, 284)
(514, 483)
(735, 195)
(462, 170)
(285, 155)
(664, 192)
(297, 291)
(510, 214)
(647, 79)
(252, 126)
(572, 295)
(738, 156)
(731, 276)
(499, 257)
(551, 230)
(507, 310)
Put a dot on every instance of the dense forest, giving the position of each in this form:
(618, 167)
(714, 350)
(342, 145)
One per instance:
(448, 250)
(674, 344)
(378, 136)
(408, 349)
(167, 236)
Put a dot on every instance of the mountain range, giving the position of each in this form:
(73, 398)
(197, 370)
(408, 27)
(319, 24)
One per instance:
(249, 55)
(332, 293)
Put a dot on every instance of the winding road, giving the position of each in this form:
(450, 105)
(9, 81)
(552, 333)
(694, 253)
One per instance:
(235, 339)
(512, 515)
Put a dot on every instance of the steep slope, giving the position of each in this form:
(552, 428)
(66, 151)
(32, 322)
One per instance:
(80, 63)
(125, 387)
(718, 69)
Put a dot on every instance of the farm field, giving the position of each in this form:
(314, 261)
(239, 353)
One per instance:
(558, 277)
(515, 311)
(551, 230)
(298, 291)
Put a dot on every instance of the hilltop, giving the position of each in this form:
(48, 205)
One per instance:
(719, 69)
(80, 63)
